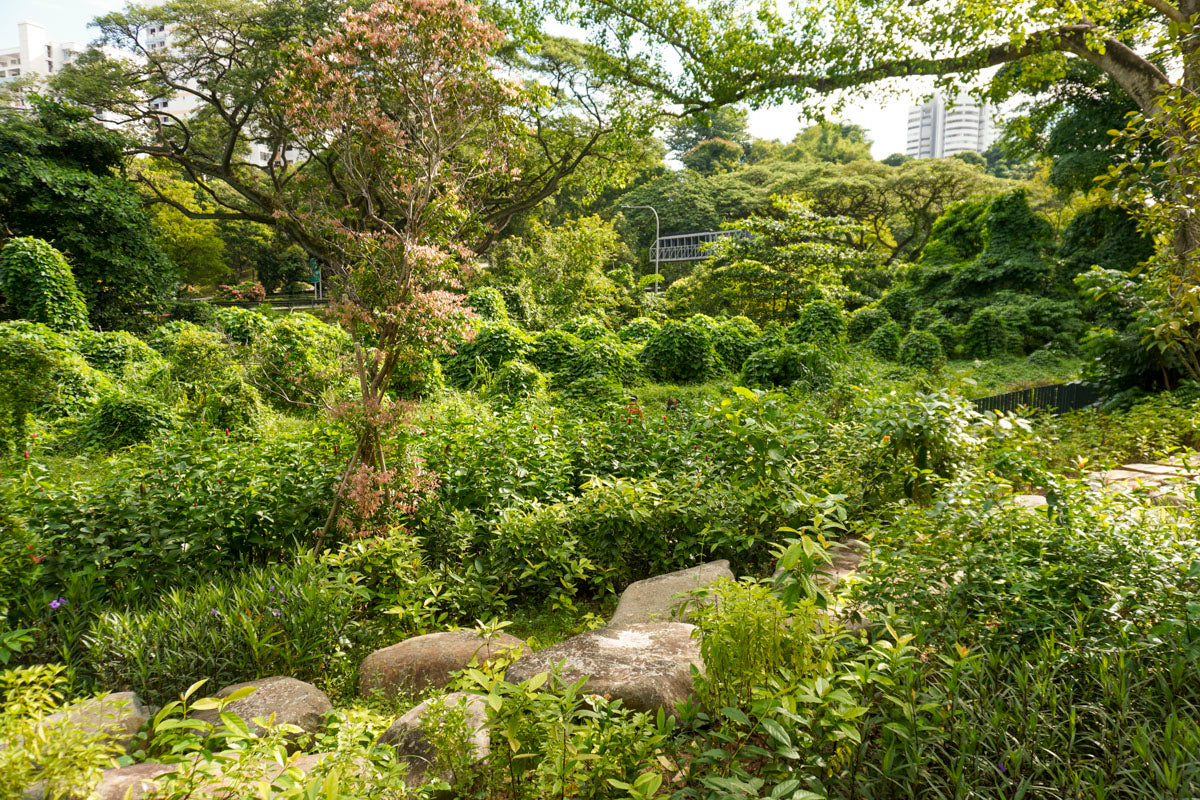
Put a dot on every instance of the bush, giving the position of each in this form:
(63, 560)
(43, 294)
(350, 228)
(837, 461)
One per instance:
(587, 328)
(122, 419)
(201, 312)
(922, 350)
(804, 365)
(595, 390)
(494, 344)
(200, 360)
(884, 343)
(680, 352)
(278, 620)
(246, 291)
(554, 350)
(423, 379)
(603, 356)
(865, 321)
(230, 405)
(42, 374)
(734, 340)
(639, 330)
(37, 282)
(988, 334)
(114, 352)
(298, 359)
(488, 304)
(517, 380)
(820, 322)
(242, 325)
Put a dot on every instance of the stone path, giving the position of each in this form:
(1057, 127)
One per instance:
(1171, 481)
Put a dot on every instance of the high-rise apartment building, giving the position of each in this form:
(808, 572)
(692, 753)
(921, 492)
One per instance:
(937, 130)
(35, 54)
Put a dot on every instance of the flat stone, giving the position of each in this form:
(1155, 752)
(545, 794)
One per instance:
(132, 782)
(1165, 470)
(408, 736)
(429, 661)
(292, 702)
(118, 717)
(648, 666)
(138, 780)
(1028, 500)
(1124, 476)
(664, 597)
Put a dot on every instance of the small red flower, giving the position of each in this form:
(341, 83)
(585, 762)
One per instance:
(38, 559)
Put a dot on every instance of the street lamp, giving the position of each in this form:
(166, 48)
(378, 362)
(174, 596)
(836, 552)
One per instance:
(656, 238)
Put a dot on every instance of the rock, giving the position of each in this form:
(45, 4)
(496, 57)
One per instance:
(1124, 476)
(407, 735)
(138, 780)
(1028, 500)
(132, 782)
(117, 716)
(292, 702)
(657, 599)
(427, 662)
(1167, 470)
(648, 665)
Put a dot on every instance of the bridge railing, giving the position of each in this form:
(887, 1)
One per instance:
(689, 246)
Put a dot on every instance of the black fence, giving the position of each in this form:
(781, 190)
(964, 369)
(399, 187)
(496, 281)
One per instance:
(1058, 399)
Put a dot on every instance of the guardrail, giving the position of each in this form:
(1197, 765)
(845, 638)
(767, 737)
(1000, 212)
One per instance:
(1059, 398)
(304, 300)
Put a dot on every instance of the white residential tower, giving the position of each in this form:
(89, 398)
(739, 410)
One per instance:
(937, 130)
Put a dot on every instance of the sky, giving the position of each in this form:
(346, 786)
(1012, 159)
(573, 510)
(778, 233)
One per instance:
(885, 122)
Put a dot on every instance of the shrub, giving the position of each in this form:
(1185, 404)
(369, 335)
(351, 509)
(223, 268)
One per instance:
(804, 365)
(554, 350)
(494, 344)
(517, 380)
(488, 304)
(246, 291)
(200, 361)
(278, 620)
(122, 419)
(200, 312)
(987, 334)
(230, 405)
(865, 321)
(603, 356)
(588, 328)
(37, 282)
(60, 760)
(680, 352)
(820, 322)
(41, 373)
(423, 379)
(242, 325)
(884, 343)
(734, 341)
(595, 390)
(298, 359)
(922, 350)
(639, 330)
(113, 352)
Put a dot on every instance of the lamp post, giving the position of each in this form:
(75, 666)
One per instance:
(656, 238)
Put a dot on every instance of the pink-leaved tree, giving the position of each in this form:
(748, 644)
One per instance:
(405, 114)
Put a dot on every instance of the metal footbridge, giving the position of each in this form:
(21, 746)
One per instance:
(689, 246)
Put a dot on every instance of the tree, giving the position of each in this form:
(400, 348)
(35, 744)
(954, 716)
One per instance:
(403, 110)
(61, 181)
(786, 262)
(223, 61)
(839, 143)
(727, 122)
(713, 156)
(727, 53)
(194, 245)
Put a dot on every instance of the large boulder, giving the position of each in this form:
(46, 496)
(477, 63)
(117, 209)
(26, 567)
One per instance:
(116, 717)
(663, 597)
(648, 665)
(292, 702)
(139, 780)
(428, 662)
(132, 782)
(408, 735)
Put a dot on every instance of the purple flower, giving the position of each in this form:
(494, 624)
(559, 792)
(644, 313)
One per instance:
(54, 604)
(274, 612)
(214, 612)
